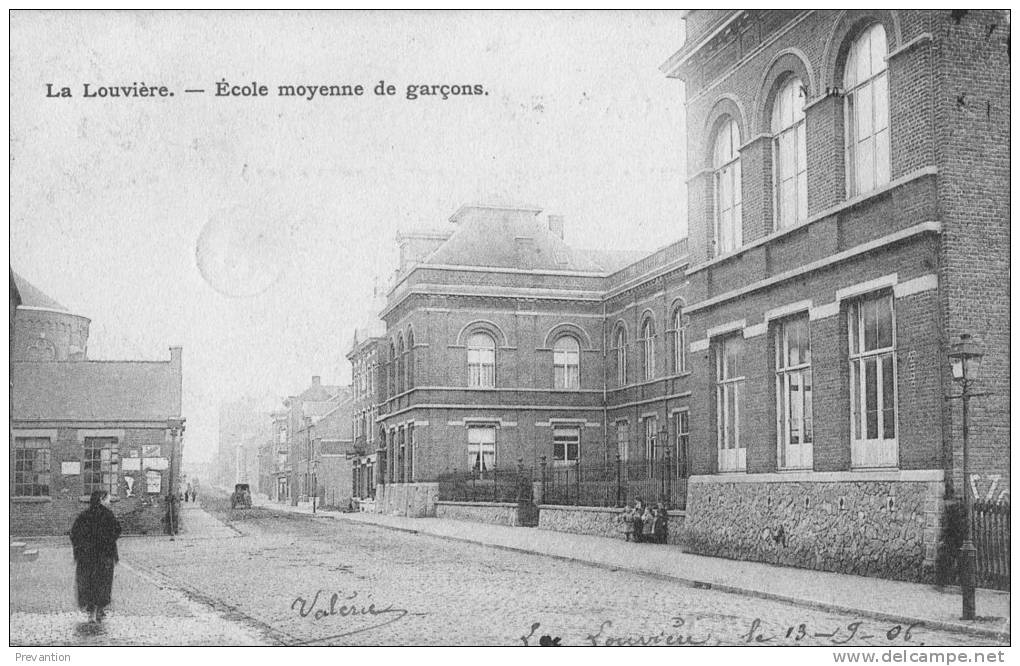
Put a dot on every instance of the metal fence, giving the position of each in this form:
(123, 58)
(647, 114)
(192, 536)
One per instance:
(604, 484)
(614, 483)
(991, 537)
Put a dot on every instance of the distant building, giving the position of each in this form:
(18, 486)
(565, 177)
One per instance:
(366, 373)
(326, 441)
(80, 425)
(293, 438)
(243, 427)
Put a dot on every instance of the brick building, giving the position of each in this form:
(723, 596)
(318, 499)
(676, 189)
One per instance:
(848, 219)
(323, 451)
(366, 371)
(292, 437)
(80, 425)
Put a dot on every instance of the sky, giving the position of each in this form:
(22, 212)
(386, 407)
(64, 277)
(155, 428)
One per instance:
(252, 231)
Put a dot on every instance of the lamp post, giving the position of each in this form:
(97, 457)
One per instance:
(308, 456)
(315, 483)
(667, 477)
(965, 360)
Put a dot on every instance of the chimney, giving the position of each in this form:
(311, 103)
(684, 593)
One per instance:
(316, 380)
(556, 225)
(176, 380)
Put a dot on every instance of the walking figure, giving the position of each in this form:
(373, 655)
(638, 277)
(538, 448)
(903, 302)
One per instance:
(94, 540)
(627, 522)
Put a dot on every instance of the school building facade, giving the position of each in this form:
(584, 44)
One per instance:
(848, 221)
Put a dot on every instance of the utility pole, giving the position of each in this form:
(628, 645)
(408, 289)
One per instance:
(176, 427)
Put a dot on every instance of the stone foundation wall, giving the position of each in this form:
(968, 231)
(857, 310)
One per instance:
(414, 500)
(884, 524)
(598, 521)
(494, 513)
(141, 514)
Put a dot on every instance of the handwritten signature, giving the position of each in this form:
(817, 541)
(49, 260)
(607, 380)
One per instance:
(345, 605)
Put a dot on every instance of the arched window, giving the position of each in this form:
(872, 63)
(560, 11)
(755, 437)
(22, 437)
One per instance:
(409, 363)
(866, 87)
(726, 177)
(482, 360)
(648, 347)
(679, 342)
(620, 345)
(391, 383)
(789, 154)
(398, 362)
(566, 363)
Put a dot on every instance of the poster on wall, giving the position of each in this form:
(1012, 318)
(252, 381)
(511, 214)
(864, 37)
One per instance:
(69, 468)
(151, 450)
(130, 464)
(153, 481)
(157, 463)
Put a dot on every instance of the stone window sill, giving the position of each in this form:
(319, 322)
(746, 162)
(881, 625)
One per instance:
(30, 500)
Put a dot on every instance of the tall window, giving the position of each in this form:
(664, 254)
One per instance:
(409, 363)
(391, 372)
(482, 360)
(566, 363)
(873, 381)
(623, 440)
(31, 467)
(620, 345)
(566, 445)
(789, 154)
(726, 177)
(866, 87)
(729, 387)
(650, 440)
(410, 452)
(648, 347)
(401, 456)
(371, 378)
(100, 466)
(482, 448)
(793, 394)
(398, 365)
(683, 440)
(679, 342)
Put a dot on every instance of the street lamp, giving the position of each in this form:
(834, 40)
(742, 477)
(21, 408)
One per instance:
(965, 360)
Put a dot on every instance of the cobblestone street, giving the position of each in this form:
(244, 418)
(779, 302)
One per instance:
(296, 579)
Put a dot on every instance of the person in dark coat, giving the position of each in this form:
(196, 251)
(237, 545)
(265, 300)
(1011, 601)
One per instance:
(638, 523)
(659, 526)
(94, 539)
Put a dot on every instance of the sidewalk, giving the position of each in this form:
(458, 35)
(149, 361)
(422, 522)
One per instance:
(144, 611)
(877, 598)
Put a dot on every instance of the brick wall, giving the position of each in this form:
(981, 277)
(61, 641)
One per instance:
(973, 136)
(140, 513)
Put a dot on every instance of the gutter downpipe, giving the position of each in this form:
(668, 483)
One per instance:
(605, 394)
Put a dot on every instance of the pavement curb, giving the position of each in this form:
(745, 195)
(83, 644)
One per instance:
(731, 589)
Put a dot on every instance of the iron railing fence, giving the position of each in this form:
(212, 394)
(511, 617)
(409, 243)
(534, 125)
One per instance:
(991, 538)
(615, 483)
